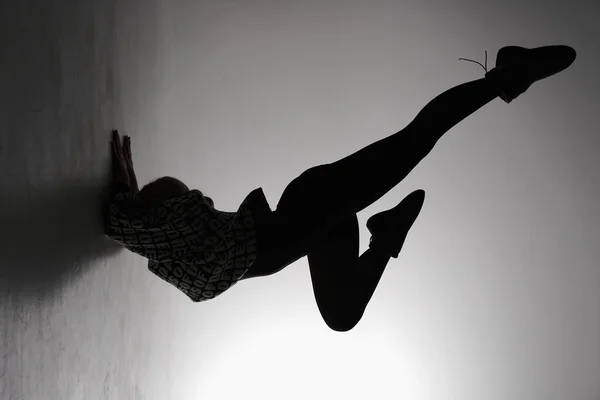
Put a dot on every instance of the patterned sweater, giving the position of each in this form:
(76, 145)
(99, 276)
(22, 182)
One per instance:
(198, 249)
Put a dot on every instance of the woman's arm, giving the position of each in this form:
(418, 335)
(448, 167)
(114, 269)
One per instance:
(126, 218)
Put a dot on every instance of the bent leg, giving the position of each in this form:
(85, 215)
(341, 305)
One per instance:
(343, 283)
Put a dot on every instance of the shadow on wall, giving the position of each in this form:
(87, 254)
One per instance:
(59, 101)
(45, 238)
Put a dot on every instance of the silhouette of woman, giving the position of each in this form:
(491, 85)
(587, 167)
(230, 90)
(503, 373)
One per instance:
(204, 251)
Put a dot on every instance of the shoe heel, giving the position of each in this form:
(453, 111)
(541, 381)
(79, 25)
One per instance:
(509, 81)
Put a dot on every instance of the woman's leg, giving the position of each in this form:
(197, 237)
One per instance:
(343, 283)
(336, 191)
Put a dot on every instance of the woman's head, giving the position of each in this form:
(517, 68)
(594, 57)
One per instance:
(162, 189)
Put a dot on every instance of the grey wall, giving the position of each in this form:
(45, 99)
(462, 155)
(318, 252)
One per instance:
(496, 294)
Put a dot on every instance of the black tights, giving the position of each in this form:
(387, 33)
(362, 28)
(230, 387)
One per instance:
(316, 215)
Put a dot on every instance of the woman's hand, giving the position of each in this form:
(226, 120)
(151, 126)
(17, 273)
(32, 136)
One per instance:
(133, 184)
(119, 163)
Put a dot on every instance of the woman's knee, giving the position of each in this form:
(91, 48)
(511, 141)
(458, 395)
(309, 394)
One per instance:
(341, 321)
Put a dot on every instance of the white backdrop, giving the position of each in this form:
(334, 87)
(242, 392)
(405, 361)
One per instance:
(495, 295)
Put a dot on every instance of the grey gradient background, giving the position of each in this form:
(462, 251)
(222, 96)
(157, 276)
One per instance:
(496, 294)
